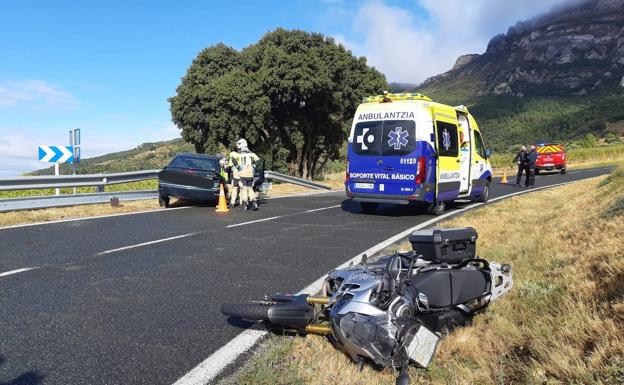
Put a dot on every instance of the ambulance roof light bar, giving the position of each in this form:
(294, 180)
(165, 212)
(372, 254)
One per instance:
(388, 97)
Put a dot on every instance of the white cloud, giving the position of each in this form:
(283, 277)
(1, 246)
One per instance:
(38, 94)
(409, 45)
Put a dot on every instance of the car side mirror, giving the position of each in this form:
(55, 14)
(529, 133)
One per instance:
(488, 152)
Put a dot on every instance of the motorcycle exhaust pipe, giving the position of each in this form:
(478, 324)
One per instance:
(317, 300)
(318, 329)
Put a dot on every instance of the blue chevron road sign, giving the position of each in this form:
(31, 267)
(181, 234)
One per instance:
(56, 154)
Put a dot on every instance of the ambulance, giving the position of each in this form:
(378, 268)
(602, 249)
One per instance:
(407, 149)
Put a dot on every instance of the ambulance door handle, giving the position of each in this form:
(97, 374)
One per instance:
(457, 160)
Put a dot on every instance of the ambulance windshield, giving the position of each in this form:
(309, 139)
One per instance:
(385, 137)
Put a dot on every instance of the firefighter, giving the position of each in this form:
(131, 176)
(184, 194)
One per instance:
(247, 163)
(520, 160)
(233, 164)
(531, 159)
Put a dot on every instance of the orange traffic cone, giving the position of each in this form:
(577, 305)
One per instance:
(504, 178)
(222, 206)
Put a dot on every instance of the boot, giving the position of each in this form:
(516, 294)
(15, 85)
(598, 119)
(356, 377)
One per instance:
(243, 206)
(254, 205)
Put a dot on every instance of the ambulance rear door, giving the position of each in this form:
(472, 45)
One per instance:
(448, 179)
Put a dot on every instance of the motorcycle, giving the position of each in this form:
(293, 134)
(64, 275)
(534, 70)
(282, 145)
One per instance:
(393, 311)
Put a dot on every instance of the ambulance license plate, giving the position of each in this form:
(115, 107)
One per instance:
(367, 186)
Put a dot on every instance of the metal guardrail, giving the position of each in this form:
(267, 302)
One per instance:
(51, 181)
(295, 180)
(28, 203)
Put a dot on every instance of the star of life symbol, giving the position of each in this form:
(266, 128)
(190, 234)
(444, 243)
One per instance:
(397, 138)
(364, 139)
(446, 139)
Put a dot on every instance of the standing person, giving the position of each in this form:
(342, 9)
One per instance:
(246, 169)
(531, 159)
(233, 164)
(520, 160)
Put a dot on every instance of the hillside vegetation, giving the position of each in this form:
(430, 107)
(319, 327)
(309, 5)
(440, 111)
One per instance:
(561, 323)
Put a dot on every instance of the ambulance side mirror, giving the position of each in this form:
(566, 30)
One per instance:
(488, 152)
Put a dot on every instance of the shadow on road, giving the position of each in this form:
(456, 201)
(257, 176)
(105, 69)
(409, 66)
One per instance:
(28, 378)
(396, 210)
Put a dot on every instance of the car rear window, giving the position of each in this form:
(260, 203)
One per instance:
(194, 163)
(387, 137)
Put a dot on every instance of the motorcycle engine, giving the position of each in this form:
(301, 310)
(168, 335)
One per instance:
(370, 319)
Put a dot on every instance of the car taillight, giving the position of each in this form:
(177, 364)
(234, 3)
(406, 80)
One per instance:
(347, 172)
(421, 170)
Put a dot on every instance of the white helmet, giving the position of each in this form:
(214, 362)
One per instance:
(241, 145)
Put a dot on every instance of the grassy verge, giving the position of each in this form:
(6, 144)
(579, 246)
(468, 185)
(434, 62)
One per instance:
(58, 213)
(562, 323)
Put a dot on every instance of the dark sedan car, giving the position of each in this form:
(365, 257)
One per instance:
(190, 176)
(196, 177)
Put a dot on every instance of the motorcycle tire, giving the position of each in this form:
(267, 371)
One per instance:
(246, 311)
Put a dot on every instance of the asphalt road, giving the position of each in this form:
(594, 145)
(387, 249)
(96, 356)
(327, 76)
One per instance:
(107, 305)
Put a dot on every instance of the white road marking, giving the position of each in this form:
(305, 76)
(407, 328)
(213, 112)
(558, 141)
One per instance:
(210, 368)
(146, 243)
(16, 271)
(94, 217)
(256, 221)
(322, 208)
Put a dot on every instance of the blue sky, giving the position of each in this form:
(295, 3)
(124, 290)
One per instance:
(108, 67)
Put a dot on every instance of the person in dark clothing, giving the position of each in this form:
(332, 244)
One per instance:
(520, 160)
(531, 159)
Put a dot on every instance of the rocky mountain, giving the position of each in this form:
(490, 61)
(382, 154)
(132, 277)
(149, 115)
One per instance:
(556, 77)
(576, 49)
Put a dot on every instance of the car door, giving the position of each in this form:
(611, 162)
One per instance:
(448, 159)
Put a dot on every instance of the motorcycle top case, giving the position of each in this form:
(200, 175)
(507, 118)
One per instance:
(450, 246)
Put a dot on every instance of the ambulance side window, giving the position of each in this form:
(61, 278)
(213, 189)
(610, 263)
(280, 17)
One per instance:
(447, 139)
(480, 147)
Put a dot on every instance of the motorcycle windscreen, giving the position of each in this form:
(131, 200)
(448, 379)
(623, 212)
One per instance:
(383, 158)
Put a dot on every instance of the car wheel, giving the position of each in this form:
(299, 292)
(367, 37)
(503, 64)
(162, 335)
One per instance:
(436, 208)
(563, 170)
(163, 201)
(369, 207)
(485, 194)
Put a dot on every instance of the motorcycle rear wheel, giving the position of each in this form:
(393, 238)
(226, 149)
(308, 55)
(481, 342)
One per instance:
(246, 311)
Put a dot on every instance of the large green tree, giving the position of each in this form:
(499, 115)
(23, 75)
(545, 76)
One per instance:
(291, 95)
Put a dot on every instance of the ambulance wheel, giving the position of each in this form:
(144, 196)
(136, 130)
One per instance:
(369, 207)
(436, 208)
(485, 194)
(163, 201)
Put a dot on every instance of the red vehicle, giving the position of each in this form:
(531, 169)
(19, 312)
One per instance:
(550, 157)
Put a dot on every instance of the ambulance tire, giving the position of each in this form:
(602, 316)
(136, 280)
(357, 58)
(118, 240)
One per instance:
(163, 201)
(485, 194)
(436, 208)
(369, 207)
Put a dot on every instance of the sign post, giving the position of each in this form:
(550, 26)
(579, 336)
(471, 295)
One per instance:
(74, 142)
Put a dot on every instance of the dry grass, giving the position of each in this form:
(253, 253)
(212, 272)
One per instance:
(57, 213)
(563, 323)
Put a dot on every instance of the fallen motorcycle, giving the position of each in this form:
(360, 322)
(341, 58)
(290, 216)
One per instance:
(392, 311)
